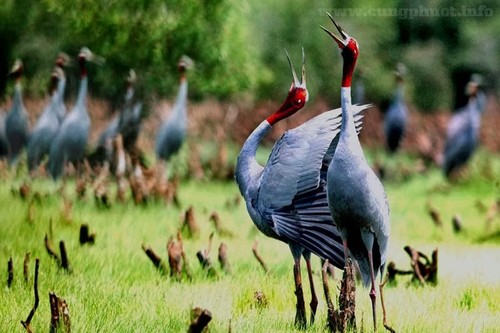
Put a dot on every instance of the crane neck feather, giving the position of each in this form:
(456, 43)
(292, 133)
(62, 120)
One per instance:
(348, 128)
(247, 167)
(82, 93)
(400, 92)
(180, 106)
(61, 85)
(18, 93)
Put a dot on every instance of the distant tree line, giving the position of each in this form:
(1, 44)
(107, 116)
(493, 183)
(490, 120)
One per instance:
(238, 46)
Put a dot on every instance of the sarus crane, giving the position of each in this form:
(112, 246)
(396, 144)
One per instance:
(172, 132)
(286, 198)
(356, 197)
(396, 116)
(71, 139)
(463, 131)
(47, 125)
(16, 121)
(127, 122)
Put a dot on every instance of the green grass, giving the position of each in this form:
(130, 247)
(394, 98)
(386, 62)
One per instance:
(115, 288)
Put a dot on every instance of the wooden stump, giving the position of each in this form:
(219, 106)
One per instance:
(344, 318)
(222, 256)
(27, 323)
(199, 320)
(155, 259)
(59, 315)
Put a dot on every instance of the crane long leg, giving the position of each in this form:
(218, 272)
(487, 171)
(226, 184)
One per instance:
(300, 316)
(314, 298)
(384, 314)
(373, 291)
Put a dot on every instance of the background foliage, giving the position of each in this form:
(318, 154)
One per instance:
(238, 46)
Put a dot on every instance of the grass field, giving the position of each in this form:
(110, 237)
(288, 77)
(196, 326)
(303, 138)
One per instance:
(114, 287)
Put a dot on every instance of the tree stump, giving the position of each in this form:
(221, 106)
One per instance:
(59, 314)
(344, 318)
(199, 320)
(155, 259)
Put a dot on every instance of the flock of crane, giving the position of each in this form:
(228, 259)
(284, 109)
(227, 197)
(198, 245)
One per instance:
(63, 136)
(317, 193)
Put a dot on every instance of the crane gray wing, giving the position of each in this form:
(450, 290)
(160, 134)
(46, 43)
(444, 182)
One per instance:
(310, 224)
(296, 160)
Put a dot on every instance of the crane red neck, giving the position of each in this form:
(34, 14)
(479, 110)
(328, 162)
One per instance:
(350, 55)
(83, 67)
(296, 99)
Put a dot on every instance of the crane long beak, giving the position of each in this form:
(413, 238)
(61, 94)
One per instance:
(296, 82)
(303, 75)
(341, 42)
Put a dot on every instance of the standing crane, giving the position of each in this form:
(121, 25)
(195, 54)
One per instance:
(47, 125)
(356, 196)
(62, 61)
(172, 132)
(16, 121)
(127, 122)
(71, 139)
(463, 131)
(397, 114)
(286, 198)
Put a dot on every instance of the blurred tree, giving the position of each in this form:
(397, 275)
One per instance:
(237, 46)
(149, 36)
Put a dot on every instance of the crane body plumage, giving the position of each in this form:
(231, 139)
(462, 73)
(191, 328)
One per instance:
(395, 120)
(127, 122)
(69, 144)
(16, 121)
(357, 199)
(286, 199)
(71, 139)
(463, 134)
(47, 125)
(172, 133)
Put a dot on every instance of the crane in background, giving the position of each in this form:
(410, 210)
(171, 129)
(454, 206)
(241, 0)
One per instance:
(71, 139)
(172, 132)
(47, 125)
(16, 121)
(396, 116)
(127, 123)
(463, 130)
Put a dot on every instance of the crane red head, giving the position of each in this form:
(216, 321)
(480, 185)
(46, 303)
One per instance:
(62, 60)
(87, 55)
(348, 48)
(297, 95)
